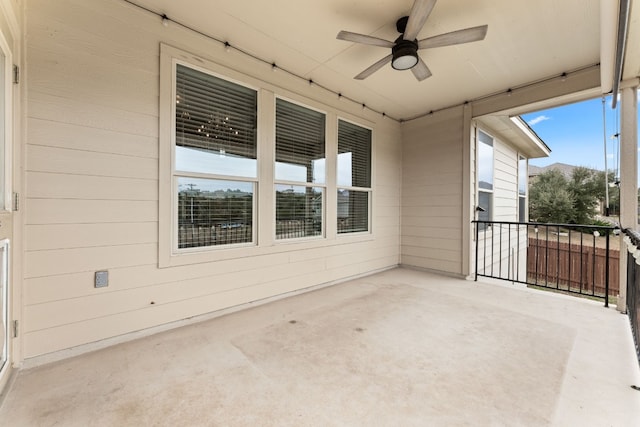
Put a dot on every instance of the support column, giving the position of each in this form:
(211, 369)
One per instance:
(628, 177)
(468, 242)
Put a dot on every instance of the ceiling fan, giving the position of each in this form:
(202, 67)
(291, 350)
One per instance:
(404, 50)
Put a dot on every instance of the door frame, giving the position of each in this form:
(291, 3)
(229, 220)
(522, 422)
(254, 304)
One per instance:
(7, 231)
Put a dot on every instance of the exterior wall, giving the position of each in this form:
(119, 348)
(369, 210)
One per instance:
(92, 198)
(509, 250)
(10, 230)
(505, 181)
(432, 183)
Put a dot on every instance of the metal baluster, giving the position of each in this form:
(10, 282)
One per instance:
(581, 261)
(606, 274)
(558, 259)
(477, 244)
(546, 257)
(569, 278)
(500, 253)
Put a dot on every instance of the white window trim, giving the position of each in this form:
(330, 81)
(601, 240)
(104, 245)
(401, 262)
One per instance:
(477, 170)
(324, 185)
(265, 198)
(368, 190)
(524, 196)
(175, 174)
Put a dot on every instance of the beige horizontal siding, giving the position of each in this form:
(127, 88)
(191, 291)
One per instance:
(65, 186)
(97, 328)
(80, 137)
(86, 113)
(70, 236)
(92, 179)
(88, 211)
(76, 80)
(65, 261)
(432, 192)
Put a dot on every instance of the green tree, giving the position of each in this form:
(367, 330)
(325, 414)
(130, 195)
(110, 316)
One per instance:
(585, 191)
(614, 191)
(554, 198)
(550, 199)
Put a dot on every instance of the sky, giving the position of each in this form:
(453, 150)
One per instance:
(213, 162)
(575, 135)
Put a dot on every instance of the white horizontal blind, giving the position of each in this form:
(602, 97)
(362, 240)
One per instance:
(216, 134)
(354, 178)
(300, 143)
(354, 155)
(215, 119)
(300, 158)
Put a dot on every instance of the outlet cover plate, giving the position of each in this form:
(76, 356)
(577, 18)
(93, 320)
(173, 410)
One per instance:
(102, 279)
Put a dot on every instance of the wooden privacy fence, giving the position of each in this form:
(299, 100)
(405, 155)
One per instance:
(575, 267)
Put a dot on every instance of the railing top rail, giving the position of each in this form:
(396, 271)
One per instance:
(633, 235)
(549, 224)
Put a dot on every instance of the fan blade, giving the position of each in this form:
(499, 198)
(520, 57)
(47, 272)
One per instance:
(421, 71)
(455, 37)
(375, 67)
(364, 39)
(419, 13)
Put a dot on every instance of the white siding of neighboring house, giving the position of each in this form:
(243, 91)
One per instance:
(92, 194)
(432, 192)
(508, 260)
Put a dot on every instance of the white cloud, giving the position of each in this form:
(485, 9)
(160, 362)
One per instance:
(538, 119)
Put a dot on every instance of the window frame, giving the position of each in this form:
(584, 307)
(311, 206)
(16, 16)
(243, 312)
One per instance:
(177, 174)
(276, 181)
(479, 190)
(368, 190)
(264, 198)
(523, 196)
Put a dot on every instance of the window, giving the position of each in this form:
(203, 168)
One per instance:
(299, 170)
(219, 200)
(215, 156)
(354, 178)
(485, 177)
(522, 189)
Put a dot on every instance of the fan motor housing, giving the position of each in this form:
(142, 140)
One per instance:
(405, 54)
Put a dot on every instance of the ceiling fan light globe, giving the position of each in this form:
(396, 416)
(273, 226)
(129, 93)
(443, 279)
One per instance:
(405, 54)
(404, 62)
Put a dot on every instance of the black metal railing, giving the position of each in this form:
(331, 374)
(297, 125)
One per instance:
(233, 231)
(291, 228)
(633, 286)
(571, 258)
(208, 233)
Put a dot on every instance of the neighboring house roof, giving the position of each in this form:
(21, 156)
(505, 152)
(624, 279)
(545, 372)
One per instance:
(563, 168)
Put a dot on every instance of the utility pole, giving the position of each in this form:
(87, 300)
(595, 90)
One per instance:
(606, 171)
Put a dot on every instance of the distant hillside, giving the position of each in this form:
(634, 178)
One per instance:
(563, 168)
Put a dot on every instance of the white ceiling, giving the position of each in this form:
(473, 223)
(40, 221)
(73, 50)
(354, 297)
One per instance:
(527, 41)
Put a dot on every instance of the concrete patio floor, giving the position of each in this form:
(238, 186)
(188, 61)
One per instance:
(397, 348)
